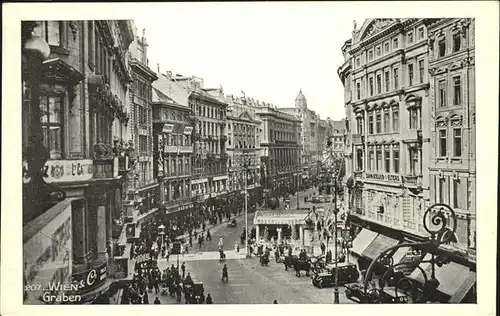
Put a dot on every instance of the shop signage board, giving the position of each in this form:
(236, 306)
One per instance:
(66, 170)
(90, 278)
(386, 177)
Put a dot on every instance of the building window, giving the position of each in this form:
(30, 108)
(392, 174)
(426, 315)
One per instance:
(386, 47)
(457, 90)
(378, 51)
(395, 157)
(51, 31)
(421, 33)
(395, 119)
(442, 143)
(358, 91)
(371, 159)
(395, 43)
(457, 42)
(359, 123)
(421, 70)
(386, 121)
(370, 54)
(457, 142)
(442, 47)
(359, 159)
(414, 162)
(386, 75)
(387, 159)
(456, 193)
(442, 93)
(410, 74)
(441, 190)
(414, 119)
(396, 78)
(371, 85)
(379, 84)
(358, 62)
(379, 122)
(51, 108)
(143, 143)
(370, 123)
(379, 159)
(410, 37)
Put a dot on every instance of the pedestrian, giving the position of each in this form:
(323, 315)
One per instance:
(157, 301)
(275, 302)
(183, 268)
(323, 248)
(225, 274)
(209, 299)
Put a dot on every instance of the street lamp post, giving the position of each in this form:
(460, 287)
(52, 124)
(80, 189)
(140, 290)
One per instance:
(246, 214)
(336, 296)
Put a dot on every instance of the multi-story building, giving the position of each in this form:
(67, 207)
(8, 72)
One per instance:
(452, 122)
(280, 150)
(208, 108)
(311, 153)
(243, 148)
(389, 115)
(74, 104)
(145, 183)
(337, 137)
(173, 151)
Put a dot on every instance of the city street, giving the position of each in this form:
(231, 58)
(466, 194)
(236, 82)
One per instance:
(249, 282)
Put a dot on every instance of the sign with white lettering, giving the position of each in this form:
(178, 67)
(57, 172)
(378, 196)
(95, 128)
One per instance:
(383, 177)
(69, 170)
(90, 278)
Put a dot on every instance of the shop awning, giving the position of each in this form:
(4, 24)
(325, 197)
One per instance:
(362, 240)
(379, 244)
(454, 279)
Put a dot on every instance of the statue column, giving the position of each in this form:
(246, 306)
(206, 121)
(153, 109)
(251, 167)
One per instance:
(279, 234)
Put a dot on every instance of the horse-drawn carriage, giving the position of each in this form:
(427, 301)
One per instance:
(298, 264)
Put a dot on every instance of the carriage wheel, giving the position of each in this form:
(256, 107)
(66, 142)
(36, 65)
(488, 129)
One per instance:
(320, 284)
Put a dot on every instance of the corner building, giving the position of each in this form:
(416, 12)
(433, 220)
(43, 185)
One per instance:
(388, 110)
(208, 115)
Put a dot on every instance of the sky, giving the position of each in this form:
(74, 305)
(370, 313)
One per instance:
(267, 50)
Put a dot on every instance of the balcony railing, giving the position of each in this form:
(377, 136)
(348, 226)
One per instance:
(413, 180)
(415, 226)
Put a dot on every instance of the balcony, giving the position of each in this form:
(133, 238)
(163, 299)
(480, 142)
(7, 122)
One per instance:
(358, 139)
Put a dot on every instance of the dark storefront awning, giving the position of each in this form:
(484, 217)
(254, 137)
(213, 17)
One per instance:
(363, 240)
(378, 245)
(455, 280)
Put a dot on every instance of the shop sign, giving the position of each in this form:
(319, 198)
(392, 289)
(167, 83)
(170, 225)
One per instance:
(199, 181)
(67, 170)
(383, 177)
(90, 278)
